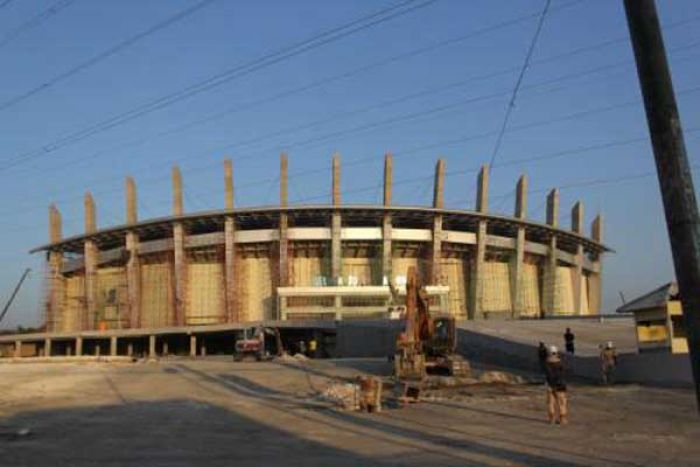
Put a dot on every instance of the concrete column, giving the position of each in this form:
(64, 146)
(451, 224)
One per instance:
(130, 349)
(550, 287)
(180, 260)
(228, 184)
(47, 347)
(89, 318)
(387, 268)
(438, 203)
(232, 315)
(338, 304)
(113, 346)
(232, 311)
(152, 346)
(133, 279)
(18, 349)
(133, 269)
(476, 296)
(518, 259)
(336, 224)
(203, 348)
(283, 225)
(482, 193)
(78, 346)
(594, 279)
(178, 208)
(180, 270)
(578, 277)
(131, 204)
(165, 348)
(97, 349)
(54, 302)
(193, 345)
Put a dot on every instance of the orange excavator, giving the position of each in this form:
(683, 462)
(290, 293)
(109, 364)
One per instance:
(428, 344)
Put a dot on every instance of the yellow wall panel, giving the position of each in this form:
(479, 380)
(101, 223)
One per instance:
(156, 294)
(257, 300)
(205, 299)
(655, 332)
(112, 311)
(531, 306)
(305, 270)
(368, 271)
(564, 303)
(496, 287)
(400, 267)
(456, 272)
(74, 304)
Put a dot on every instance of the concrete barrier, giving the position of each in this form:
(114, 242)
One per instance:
(366, 339)
(658, 369)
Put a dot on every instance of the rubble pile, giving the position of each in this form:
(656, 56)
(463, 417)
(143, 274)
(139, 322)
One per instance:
(343, 395)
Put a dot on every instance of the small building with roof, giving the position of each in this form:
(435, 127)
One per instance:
(658, 317)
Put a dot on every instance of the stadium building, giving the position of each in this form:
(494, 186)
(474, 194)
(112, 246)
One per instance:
(221, 269)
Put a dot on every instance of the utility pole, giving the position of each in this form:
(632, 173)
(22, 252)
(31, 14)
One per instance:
(675, 179)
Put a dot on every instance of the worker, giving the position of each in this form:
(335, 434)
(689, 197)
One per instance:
(569, 341)
(608, 362)
(312, 347)
(542, 357)
(556, 388)
(302, 347)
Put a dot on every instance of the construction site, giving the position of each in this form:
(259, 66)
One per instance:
(191, 300)
(358, 335)
(205, 275)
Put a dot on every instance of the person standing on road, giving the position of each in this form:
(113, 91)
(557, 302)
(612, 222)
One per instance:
(608, 362)
(312, 347)
(557, 409)
(542, 358)
(569, 341)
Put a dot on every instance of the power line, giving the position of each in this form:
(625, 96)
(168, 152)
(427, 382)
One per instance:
(314, 84)
(442, 108)
(34, 21)
(406, 117)
(219, 79)
(401, 153)
(103, 55)
(179, 129)
(449, 173)
(518, 82)
(490, 133)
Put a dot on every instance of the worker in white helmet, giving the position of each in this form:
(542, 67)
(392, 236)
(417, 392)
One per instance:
(608, 362)
(556, 388)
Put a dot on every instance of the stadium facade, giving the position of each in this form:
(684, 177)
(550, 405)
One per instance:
(318, 262)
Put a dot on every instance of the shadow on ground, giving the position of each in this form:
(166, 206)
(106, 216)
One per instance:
(171, 432)
(376, 427)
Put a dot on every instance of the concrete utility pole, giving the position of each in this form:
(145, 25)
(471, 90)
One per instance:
(675, 178)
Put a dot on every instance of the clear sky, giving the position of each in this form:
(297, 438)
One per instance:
(421, 85)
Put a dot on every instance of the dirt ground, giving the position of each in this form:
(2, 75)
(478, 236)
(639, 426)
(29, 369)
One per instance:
(216, 412)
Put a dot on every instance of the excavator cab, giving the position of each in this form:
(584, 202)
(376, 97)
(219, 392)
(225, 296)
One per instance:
(444, 338)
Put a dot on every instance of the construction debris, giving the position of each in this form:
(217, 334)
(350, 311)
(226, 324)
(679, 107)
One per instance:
(345, 396)
(500, 377)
